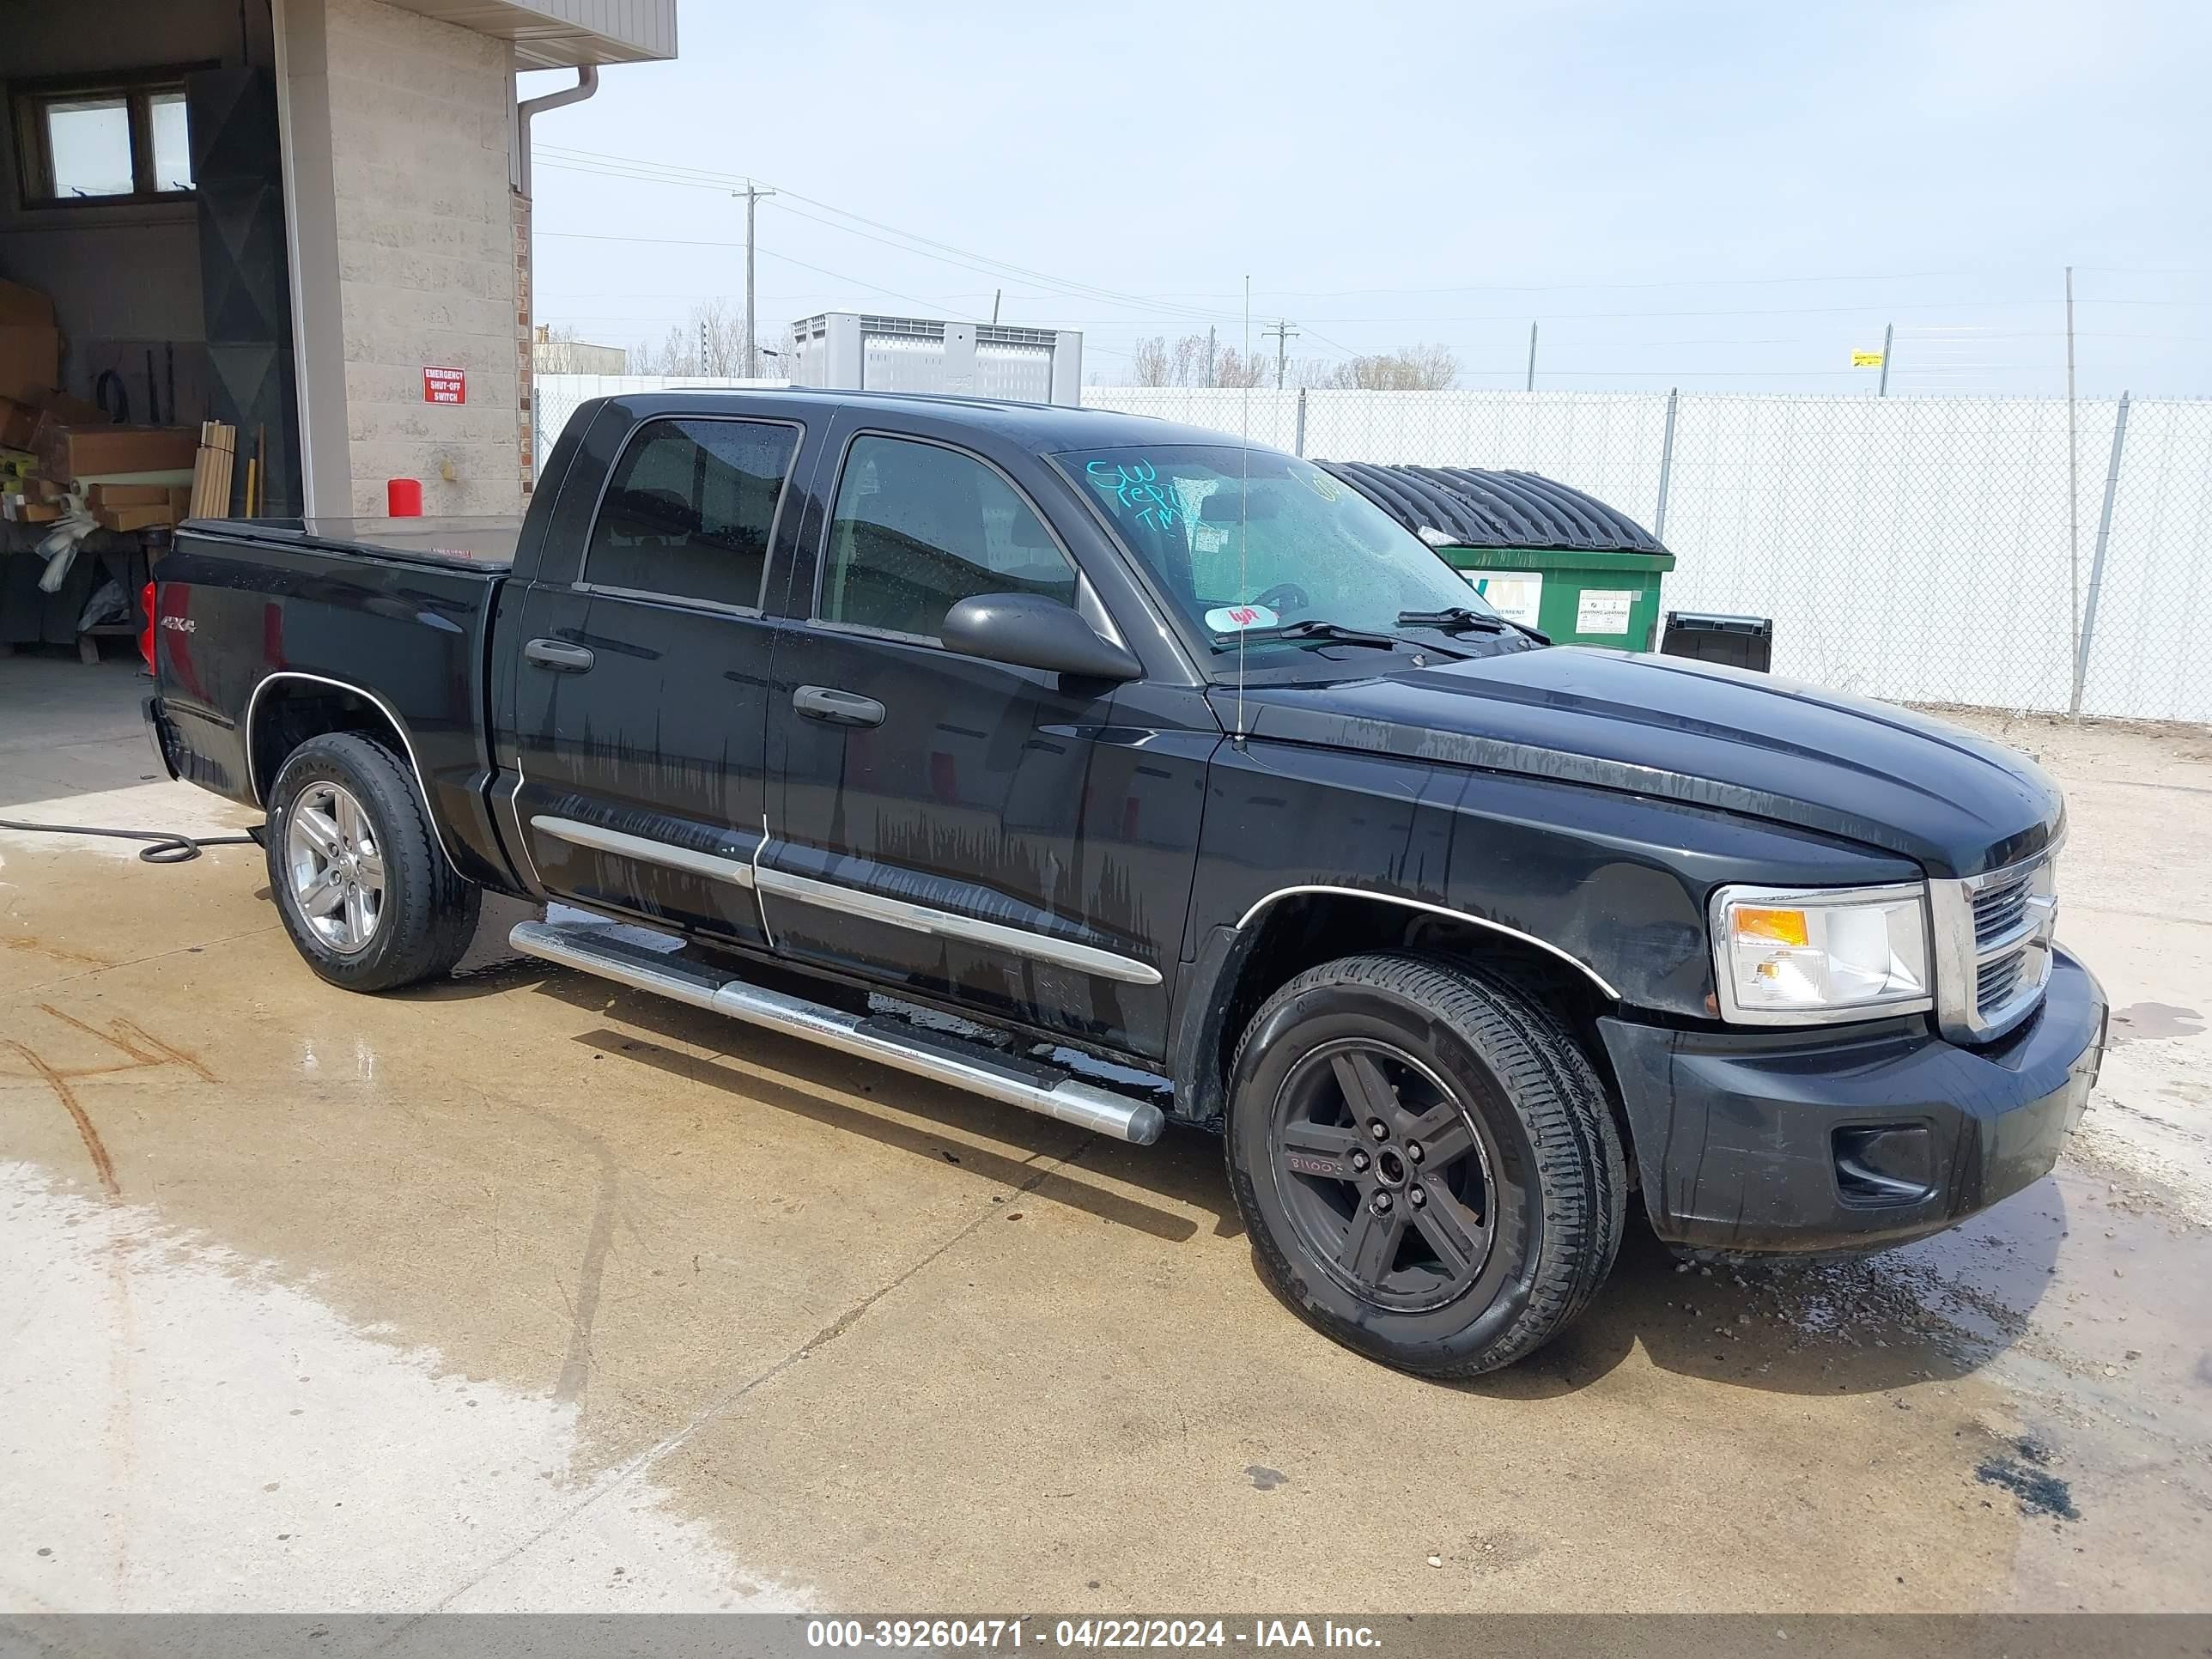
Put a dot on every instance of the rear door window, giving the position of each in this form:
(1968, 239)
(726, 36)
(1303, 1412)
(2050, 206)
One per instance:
(919, 527)
(692, 509)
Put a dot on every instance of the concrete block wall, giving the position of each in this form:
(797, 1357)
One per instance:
(418, 113)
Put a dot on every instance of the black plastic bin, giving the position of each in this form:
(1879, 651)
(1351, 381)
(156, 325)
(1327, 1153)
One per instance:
(1738, 641)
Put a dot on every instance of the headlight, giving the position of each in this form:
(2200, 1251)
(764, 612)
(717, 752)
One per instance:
(1789, 956)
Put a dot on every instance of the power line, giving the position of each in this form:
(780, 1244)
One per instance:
(696, 177)
(687, 241)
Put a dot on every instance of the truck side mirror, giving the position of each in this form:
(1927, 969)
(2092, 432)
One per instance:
(1030, 631)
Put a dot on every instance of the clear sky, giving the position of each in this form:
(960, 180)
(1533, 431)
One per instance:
(1708, 195)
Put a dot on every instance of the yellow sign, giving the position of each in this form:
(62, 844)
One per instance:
(1866, 360)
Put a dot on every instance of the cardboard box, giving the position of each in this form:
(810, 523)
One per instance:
(30, 344)
(28, 512)
(19, 424)
(133, 518)
(112, 494)
(80, 452)
(25, 423)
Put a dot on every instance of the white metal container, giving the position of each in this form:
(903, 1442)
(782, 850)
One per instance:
(853, 351)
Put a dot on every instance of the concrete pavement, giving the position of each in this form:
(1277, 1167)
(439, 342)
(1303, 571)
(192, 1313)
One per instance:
(526, 1291)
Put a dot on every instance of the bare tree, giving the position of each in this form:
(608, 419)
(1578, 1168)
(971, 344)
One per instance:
(710, 341)
(1232, 367)
(1409, 368)
(1192, 358)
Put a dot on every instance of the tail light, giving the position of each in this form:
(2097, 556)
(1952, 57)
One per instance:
(146, 633)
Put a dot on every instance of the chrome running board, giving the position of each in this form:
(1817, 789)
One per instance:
(619, 954)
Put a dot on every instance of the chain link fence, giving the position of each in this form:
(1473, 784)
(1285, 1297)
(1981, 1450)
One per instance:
(1921, 549)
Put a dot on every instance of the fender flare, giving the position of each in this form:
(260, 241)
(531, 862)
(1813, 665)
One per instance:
(1204, 983)
(406, 742)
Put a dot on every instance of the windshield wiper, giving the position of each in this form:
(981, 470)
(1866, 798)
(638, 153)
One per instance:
(1312, 628)
(1458, 618)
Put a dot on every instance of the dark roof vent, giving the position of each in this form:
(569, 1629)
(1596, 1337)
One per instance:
(1476, 507)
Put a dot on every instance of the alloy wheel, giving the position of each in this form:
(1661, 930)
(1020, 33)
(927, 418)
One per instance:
(1386, 1177)
(336, 866)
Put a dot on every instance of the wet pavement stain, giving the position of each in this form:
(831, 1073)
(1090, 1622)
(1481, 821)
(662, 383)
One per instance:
(141, 1049)
(2144, 1022)
(95, 1150)
(717, 1201)
(2027, 1477)
(55, 952)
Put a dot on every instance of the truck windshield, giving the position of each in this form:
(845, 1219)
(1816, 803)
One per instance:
(1252, 543)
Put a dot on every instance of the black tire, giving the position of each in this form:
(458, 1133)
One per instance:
(1452, 1055)
(427, 914)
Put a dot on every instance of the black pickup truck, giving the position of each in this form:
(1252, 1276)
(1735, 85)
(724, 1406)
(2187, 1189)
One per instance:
(1116, 740)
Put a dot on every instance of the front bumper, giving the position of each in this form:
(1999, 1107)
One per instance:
(1855, 1139)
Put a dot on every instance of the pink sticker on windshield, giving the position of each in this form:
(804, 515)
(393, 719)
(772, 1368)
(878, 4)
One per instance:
(1236, 618)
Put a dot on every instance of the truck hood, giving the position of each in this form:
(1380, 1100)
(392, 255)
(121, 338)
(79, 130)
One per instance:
(1691, 732)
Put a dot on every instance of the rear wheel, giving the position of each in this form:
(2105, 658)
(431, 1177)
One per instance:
(1426, 1161)
(363, 888)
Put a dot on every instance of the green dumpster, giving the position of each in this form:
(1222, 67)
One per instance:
(1542, 553)
(1578, 596)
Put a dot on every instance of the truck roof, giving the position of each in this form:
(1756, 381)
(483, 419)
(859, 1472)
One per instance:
(1044, 428)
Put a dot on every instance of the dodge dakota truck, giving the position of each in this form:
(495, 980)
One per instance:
(992, 741)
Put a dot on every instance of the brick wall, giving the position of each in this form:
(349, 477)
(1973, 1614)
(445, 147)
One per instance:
(427, 256)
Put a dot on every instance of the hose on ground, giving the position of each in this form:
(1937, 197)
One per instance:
(167, 847)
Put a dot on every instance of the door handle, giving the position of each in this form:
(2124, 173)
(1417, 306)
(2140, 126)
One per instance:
(822, 703)
(559, 655)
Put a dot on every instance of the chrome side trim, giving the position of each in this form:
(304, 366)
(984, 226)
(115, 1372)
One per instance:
(521, 829)
(736, 871)
(421, 783)
(760, 903)
(945, 924)
(1592, 974)
(1067, 1100)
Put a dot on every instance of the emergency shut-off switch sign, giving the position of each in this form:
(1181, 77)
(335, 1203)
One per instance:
(445, 385)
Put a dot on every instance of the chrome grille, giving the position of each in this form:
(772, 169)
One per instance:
(1997, 979)
(1998, 911)
(1992, 936)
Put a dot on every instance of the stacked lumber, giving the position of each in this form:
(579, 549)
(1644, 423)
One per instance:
(211, 471)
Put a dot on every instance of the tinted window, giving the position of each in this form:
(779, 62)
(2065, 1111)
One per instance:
(691, 510)
(919, 528)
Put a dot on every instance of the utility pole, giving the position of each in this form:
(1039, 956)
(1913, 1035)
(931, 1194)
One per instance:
(997, 294)
(1285, 333)
(1531, 386)
(1888, 334)
(703, 368)
(2073, 475)
(752, 193)
(1209, 354)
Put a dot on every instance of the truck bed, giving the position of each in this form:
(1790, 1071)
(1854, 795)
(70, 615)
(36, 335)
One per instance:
(261, 624)
(480, 543)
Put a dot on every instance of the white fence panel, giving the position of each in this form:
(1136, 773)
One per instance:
(1910, 548)
(1916, 549)
(2150, 650)
(557, 395)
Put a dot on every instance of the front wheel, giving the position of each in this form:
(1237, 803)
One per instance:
(1426, 1162)
(363, 887)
